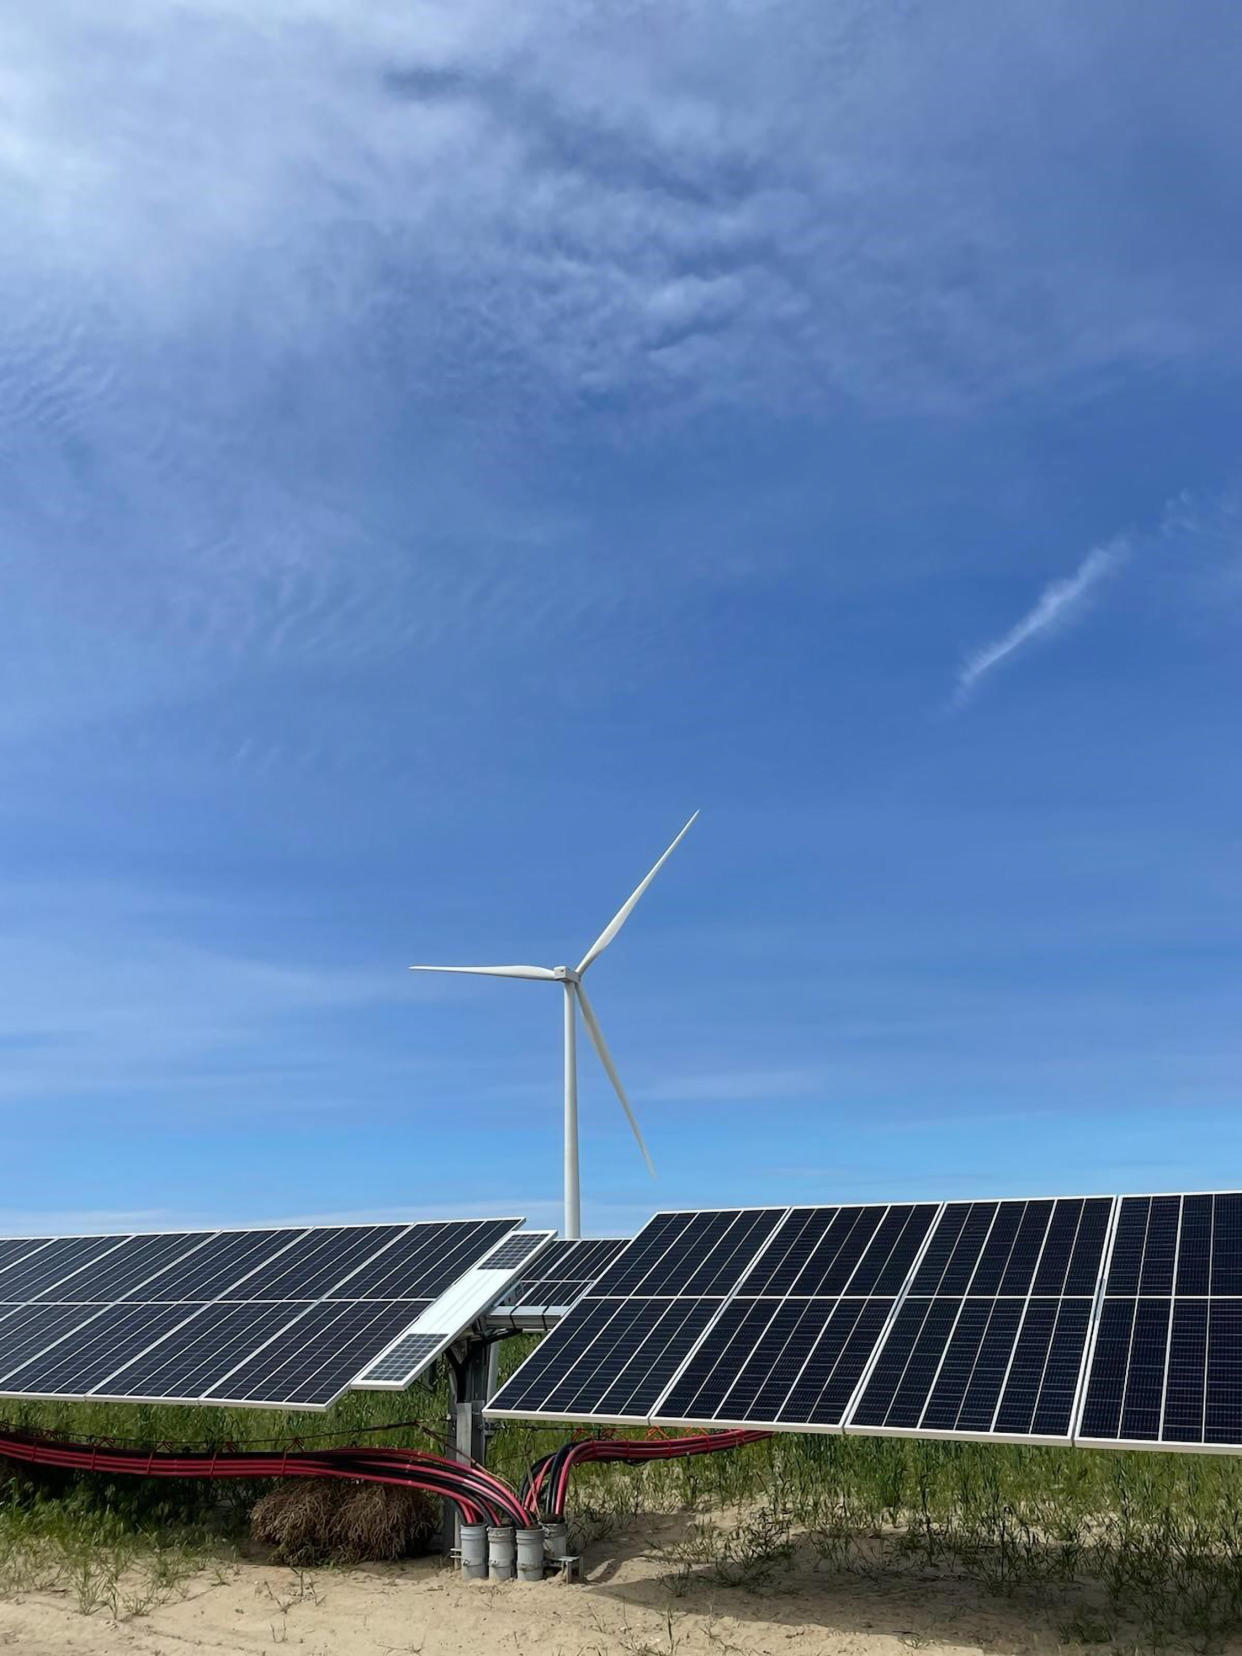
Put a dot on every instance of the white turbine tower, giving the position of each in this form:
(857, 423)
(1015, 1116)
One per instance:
(570, 977)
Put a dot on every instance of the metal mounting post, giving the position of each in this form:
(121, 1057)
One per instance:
(468, 1366)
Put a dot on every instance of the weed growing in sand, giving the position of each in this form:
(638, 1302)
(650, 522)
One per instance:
(77, 1543)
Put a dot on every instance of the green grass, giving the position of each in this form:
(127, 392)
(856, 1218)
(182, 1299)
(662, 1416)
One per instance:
(1159, 1537)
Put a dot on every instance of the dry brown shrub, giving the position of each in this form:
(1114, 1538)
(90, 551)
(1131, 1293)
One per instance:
(321, 1521)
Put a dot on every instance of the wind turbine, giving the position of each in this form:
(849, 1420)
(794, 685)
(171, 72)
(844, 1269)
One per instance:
(570, 978)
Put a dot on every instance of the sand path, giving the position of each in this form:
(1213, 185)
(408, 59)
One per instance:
(625, 1606)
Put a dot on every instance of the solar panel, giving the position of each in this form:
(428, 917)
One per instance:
(278, 1317)
(515, 1250)
(1165, 1370)
(990, 1336)
(564, 1272)
(728, 1317)
(312, 1361)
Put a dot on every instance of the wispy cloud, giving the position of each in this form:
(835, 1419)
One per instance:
(1059, 603)
(296, 422)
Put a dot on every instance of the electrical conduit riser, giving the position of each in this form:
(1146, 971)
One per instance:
(529, 1554)
(555, 1539)
(474, 1552)
(501, 1549)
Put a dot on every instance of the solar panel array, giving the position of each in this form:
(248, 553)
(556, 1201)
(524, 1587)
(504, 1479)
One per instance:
(1093, 1320)
(277, 1318)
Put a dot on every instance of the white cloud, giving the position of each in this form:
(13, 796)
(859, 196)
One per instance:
(1057, 604)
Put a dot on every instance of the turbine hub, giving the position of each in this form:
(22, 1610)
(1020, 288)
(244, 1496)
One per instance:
(566, 974)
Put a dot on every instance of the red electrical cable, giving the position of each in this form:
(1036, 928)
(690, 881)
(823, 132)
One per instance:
(478, 1494)
(629, 1451)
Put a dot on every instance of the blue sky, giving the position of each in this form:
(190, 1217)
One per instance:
(444, 447)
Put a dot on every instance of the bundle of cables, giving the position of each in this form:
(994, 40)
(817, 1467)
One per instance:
(547, 1486)
(479, 1495)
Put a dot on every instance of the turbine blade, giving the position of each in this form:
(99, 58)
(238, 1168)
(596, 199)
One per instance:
(610, 1069)
(493, 971)
(623, 913)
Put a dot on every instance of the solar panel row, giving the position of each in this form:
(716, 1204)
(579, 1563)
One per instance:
(278, 1317)
(1098, 1320)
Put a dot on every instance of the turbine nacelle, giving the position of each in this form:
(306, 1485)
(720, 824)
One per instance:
(576, 1001)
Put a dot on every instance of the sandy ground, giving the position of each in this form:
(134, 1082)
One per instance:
(625, 1604)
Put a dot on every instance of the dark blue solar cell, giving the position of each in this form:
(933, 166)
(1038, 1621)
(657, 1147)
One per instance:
(834, 1259)
(1028, 1245)
(1054, 1262)
(830, 1378)
(30, 1329)
(1223, 1403)
(1059, 1389)
(1140, 1415)
(95, 1350)
(1106, 1385)
(801, 1235)
(994, 1259)
(894, 1248)
(1160, 1246)
(1084, 1272)
(312, 1361)
(983, 1392)
(567, 1344)
(722, 1266)
(13, 1248)
(1194, 1254)
(961, 1355)
(26, 1278)
(130, 1266)
(910, 1395)
(198, 1354)
(1184, 1393)
(960, 1270)
(316, 1262)
(881, 1388)
(1227, 1245)
(717, 1364)
(944, 1239)
(1127, 1261)
(1026, 1369)
(664, 1252)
